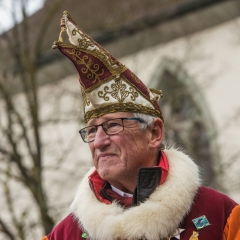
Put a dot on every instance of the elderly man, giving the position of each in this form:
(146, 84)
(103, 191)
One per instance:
(137, 189)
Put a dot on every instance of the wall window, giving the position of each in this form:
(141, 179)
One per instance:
(186, 125)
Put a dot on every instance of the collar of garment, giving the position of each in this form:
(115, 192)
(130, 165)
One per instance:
(121, 193)
(157, 217)
(148, 180)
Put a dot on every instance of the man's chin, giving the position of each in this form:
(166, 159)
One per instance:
(105, 173)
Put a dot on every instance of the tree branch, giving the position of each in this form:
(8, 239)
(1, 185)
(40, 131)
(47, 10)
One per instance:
(17, 224)
(44, 27)
(6, 230)
(10, 109)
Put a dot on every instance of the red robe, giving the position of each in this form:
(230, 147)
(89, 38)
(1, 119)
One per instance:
(219, 209)
(222, 213)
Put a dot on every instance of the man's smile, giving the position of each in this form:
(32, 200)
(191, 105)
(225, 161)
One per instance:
(104, 156)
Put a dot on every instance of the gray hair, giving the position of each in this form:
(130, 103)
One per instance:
(148, 121)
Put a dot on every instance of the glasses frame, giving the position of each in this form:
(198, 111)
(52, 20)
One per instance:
(96, 127)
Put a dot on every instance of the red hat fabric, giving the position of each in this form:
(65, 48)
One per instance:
(107, 85)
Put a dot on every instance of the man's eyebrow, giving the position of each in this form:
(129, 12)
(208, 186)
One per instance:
(91, 124)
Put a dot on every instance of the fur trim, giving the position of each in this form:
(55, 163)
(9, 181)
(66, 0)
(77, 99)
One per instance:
(158, 217)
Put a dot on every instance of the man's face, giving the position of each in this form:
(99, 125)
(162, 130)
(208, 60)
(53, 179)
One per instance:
(117, 158)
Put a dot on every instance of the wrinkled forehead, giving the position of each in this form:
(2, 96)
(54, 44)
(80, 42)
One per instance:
(99, 120)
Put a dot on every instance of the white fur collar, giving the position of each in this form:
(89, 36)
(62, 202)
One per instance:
(156, 218)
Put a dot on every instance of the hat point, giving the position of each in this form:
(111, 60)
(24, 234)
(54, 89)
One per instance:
(107, 85)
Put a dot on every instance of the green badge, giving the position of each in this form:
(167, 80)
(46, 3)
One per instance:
(201, 222)
(84, 235)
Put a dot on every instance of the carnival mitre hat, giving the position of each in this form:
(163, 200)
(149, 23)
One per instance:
(107, 85)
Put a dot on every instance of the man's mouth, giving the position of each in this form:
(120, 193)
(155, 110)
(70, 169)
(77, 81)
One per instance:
(104, 156)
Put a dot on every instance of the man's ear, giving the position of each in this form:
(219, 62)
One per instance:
(156, 133)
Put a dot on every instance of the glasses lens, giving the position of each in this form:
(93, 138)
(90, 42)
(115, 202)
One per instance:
(113, 126)
(91, 133)
(110, 127)
(88, 133)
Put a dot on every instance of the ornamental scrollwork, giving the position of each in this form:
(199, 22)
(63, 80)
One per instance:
(86, 100)
(87, 43)
(118, 91)
(84, 42)
(90, 69)
(121, 107)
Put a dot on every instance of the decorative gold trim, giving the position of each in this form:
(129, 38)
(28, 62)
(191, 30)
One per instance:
(89, 90)
(82, 53)
(63, 29)
(140, 92)
(121, 107)
(86, 100)
(85, 41)
(135, 77)
(121, 68)
(118, 92)
(156, 91)
(67, 14)
(102, 57)
(86, 61)
(102, 82)
(55, 45)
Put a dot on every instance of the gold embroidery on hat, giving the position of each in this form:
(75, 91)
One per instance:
(157, 93)
(103, 55)
(135, 77)
(63, 29)
(86, 100)
(84, 53)
(121, 107)
(118, 92)
(84, 42)
(90, 69)
(113, 66)
(67, 14)
(97, 50)
(120, 67)
(96, 85)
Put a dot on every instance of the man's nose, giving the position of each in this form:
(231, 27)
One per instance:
(101, 138)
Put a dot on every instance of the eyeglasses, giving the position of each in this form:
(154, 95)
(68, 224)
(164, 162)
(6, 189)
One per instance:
(110, 127)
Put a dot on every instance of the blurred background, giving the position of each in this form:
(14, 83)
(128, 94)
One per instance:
(188, 48)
